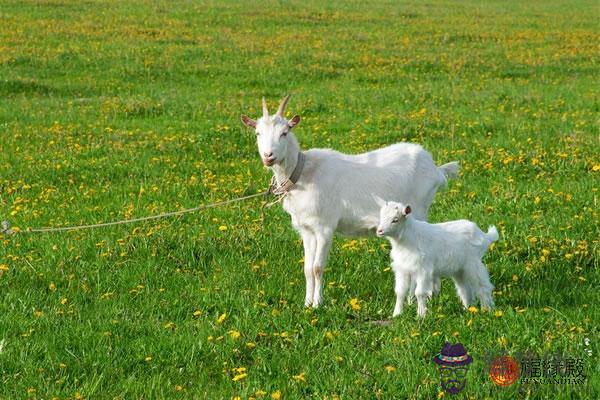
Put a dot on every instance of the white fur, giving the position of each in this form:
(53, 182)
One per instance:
(422, 252)
(335, 191)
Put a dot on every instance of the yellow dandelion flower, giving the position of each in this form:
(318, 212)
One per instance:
(221, 318)
(260, 393)
(239, 377)
(197, 313)
(473, 309)
(547, 309)
(3, 267)
(276, 395)
(52, 286)
(170, 325)
(250, 345)
(148, 359)
(390, 369)
(178, 388)
(300, 377)
(355, 304)
(498, 314)
(234, 334)
(222, 228)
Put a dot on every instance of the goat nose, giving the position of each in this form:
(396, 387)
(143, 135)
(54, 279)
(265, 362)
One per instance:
(380, 231)
(268, 155)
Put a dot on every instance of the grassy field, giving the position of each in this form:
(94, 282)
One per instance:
(112, 110)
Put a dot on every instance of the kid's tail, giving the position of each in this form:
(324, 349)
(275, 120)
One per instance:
(492, 234)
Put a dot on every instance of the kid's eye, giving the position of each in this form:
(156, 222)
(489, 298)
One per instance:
(395, 220)
(284, 133)
(257, 133)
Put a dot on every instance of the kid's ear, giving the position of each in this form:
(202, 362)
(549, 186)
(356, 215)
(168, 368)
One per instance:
(249, 122)
(294, 121)
(407, 210)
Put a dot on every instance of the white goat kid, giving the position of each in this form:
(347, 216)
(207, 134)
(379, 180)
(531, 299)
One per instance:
(327, 191)
(422, 252)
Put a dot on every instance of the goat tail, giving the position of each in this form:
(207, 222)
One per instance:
(446, 171)
(450, 170)
(492, 234)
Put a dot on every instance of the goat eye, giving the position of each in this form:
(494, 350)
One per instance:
(257, 133)
(395, 220)
(284, 133)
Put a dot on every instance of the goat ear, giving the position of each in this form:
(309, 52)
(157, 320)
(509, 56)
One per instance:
(294, 121)
(249, 122)
(407, 210)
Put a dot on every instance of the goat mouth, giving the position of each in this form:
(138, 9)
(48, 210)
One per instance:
(269, 162)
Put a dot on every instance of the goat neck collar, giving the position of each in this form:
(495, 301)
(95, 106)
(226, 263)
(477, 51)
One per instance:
(282, 188)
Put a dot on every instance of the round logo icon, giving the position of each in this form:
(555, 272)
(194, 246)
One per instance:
(504, 371)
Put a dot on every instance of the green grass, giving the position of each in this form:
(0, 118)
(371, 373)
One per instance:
(112, 110)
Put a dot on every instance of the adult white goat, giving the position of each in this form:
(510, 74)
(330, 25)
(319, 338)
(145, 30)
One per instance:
(327, 191)
(422, 252)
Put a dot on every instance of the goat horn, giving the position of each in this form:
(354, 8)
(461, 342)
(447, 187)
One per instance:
(265, 109)
(282, 106)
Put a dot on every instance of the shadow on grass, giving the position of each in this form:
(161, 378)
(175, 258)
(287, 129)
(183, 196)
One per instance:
(13, 87)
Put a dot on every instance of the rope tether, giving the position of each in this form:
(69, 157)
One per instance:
(7, 231)
(278, 190)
